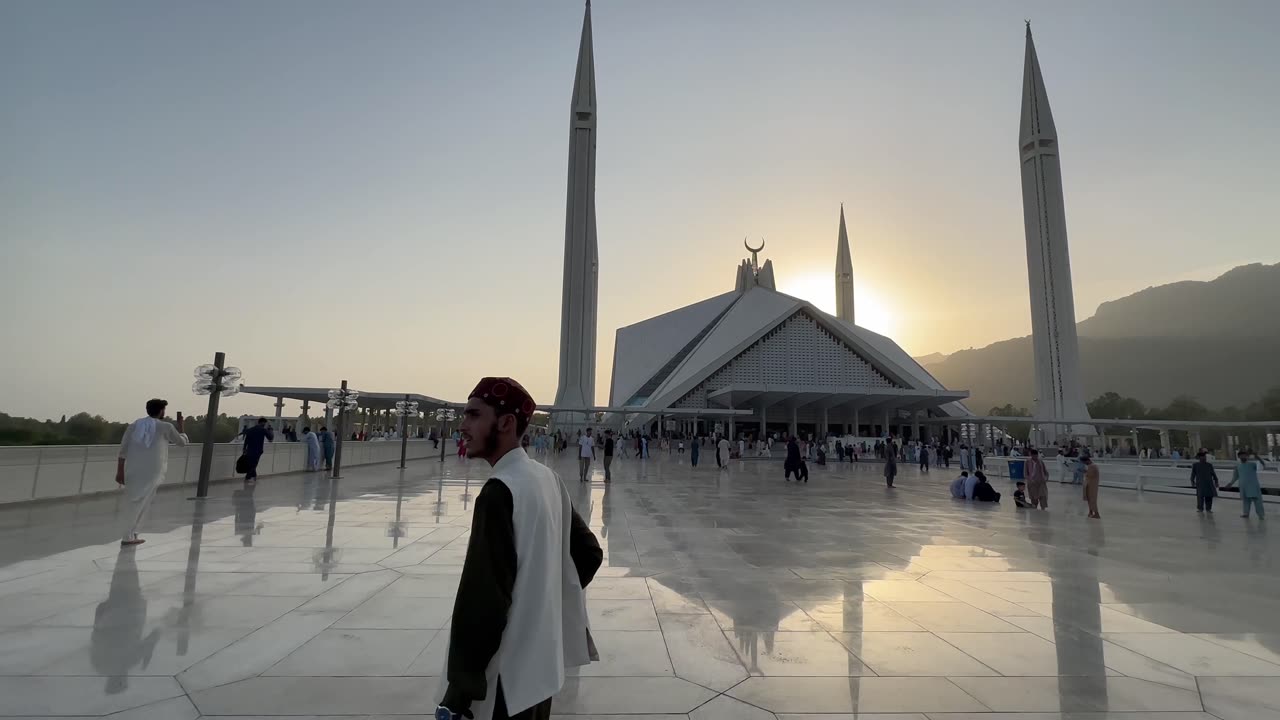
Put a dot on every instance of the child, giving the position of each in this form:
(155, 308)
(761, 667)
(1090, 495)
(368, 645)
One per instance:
(1020, 496)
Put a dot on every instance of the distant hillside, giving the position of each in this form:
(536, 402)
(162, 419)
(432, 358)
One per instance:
(1218, 341)
(931, 358)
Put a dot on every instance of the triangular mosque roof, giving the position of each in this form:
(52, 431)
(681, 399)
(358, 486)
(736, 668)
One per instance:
(658, 361)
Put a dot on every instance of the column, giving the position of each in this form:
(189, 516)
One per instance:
(886, 423)
(733, 432)
(279, 406)
(915, 427)
(826, 425)
(854, 431)
(795, 421)
(328, 416)
(764, 420)
(1164, 443)
(1194, 435)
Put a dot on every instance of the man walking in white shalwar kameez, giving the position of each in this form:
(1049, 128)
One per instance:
(144, 458)
(313, 448)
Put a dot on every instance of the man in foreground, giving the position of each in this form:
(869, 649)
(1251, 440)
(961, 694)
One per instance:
(516, 625)
(143, 461)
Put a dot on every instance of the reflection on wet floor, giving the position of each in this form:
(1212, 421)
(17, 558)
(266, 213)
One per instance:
(724, 595)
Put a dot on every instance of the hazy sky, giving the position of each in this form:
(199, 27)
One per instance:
(375, 190)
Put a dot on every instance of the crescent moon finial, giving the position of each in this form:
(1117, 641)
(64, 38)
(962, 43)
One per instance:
(751, 249)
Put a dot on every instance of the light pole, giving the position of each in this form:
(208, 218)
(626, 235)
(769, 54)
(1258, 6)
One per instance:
(405, 408)
(341, 400)
(444, 416)
(215, 381)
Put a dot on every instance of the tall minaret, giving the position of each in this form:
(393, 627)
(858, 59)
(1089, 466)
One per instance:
(578, 304)
(1053, 314)
(844, 274)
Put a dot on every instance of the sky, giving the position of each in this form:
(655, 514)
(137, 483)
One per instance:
(376, 191)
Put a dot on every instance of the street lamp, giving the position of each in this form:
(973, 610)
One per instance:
(341, 400)
(444, 416)
(405, 408)
(215, 381)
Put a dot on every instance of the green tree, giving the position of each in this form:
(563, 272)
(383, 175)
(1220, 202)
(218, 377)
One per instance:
(1112, 405)
(1018, 430)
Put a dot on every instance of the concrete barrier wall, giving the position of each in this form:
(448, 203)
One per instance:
(56, 471)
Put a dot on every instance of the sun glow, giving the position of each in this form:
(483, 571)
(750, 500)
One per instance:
(870, 310)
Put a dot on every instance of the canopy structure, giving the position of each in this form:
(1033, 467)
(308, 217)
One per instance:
(1132, 423)
(373, 401)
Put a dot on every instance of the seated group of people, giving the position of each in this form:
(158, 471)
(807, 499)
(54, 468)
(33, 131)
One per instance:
(974, 487)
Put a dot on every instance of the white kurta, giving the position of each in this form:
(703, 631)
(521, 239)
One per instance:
(313, 450)
(547, 625)
(145, 449)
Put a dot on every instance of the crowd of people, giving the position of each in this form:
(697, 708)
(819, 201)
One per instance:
(530, 555)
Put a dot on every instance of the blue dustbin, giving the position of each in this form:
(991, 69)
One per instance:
(1017, 470)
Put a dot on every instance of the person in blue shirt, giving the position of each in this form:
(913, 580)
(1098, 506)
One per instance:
(1246, 474)
(255, 443)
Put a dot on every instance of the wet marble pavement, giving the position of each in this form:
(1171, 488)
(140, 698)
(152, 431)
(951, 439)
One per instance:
(724, 595)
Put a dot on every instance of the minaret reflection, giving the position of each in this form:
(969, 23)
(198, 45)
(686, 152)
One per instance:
(1077, 614)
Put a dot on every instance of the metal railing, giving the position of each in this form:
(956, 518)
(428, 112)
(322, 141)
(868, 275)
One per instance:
(38, 472)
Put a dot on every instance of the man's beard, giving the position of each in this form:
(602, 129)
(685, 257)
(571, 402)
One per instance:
(489, 445)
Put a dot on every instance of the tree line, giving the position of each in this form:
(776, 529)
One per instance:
(85, 429)
(1112, 405)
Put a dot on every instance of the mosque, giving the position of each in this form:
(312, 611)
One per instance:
(754, 360)
(779, 362)
(794, 367)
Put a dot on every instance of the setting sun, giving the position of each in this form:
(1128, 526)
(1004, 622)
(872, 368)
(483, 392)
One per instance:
(818, 288)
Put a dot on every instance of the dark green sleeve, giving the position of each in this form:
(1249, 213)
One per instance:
(584, 549)
(484, 593)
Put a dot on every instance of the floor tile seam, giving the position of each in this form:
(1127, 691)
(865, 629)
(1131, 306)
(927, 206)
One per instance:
(267, 672)
(1200, 693)
(968, 694)
(1164, 665)
(292, 650)
(732, 646)
(962, 652)
(831, 634)
(1200, 636)
(1161, 662)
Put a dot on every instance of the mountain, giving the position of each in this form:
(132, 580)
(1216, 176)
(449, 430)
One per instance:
(931, 358)
(1217, 341)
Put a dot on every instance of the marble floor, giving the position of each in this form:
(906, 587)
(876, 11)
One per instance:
(725, 595)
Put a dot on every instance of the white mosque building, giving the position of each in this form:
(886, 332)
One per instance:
(794, 367)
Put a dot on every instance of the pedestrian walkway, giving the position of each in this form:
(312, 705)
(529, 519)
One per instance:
(724, 595)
